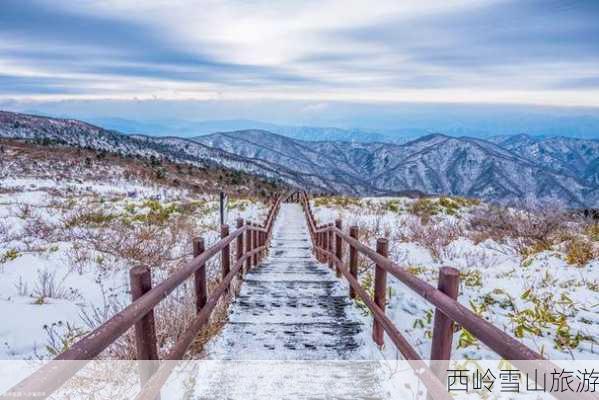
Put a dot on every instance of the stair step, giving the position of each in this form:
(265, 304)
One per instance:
(303, 341)
(284, 380)
(291, 309)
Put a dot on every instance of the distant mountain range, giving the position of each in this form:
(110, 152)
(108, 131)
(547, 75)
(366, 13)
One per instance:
(183, 128)
(396, 129)
(502, 168)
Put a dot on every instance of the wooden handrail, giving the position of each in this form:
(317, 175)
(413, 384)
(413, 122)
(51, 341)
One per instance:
(503, 344)
(53, 375)
(425, 374)
(152, 388)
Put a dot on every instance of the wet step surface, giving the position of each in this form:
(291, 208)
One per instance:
(293, 308)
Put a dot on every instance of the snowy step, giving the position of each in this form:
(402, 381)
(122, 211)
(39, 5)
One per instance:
(291, 309)
(282, 289)
(291, 341)
(309, 380)
(275, 276)
(281, 267)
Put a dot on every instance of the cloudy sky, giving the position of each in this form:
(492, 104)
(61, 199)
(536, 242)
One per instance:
(315, 52)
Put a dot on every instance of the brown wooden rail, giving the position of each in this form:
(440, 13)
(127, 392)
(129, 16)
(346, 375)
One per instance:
(139, 313)
(328, 244)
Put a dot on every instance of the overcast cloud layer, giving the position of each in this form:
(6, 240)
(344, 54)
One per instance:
(297, 62)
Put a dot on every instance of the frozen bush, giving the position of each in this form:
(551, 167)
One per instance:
(434, 237)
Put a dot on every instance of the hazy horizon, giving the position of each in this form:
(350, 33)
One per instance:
(395, 121)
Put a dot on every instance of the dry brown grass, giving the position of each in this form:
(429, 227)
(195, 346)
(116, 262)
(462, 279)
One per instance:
(434, 237)
(592, 231)
(538, 229)
(425, 209)
(579, 252)
(153, 234)
(61, 162)
(172, 317)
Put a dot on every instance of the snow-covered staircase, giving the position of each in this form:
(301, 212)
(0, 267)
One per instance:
(293, 316)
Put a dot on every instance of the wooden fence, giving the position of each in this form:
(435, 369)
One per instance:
(140, 313)
(330, 242)
(251, 242)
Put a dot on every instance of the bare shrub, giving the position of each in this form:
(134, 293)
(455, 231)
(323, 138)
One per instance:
(47, 287)
(172, 316)
(539, 228)
(3, 231)
(139, 244)
(433, 237)
(425, 209)
(22, 288)
(61, 336)
(38, 228)
(93, 316)
(23, 211)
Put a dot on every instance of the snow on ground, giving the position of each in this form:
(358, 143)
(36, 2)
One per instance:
(66, 246)
(547, 295)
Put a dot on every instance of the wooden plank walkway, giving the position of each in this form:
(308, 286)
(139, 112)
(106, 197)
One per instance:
(293, 316)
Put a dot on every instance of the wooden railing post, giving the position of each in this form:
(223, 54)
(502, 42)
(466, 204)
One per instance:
(449, 283)
(380, 290)
(317, 245)
(330, 248)
(225, 253)
(254, 244)
(353, 259)
(258, 244)
(262, 243)
(248, 246)
(321, 244)
(145, 330)
(239, 250)
(325, 245)
(199, 276)
(338, 246)
(265, 240)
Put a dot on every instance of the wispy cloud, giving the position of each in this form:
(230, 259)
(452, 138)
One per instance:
(502, 51)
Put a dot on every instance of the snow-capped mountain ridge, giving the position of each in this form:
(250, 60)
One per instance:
(504, 169)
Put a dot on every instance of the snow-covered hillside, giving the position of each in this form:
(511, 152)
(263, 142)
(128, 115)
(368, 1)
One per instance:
(505, 170)
(72, 225)
(534, 274)
(434, 164)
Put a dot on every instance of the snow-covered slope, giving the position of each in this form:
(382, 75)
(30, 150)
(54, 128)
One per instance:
(436, 164)
(533, 274)
(575, 157)
(72, 225)
(503, 169)
(80, 134)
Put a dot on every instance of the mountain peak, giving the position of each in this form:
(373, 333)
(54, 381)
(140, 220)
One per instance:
(432, 138)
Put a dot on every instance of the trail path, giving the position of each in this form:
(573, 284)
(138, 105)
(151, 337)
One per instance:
(292, 331)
